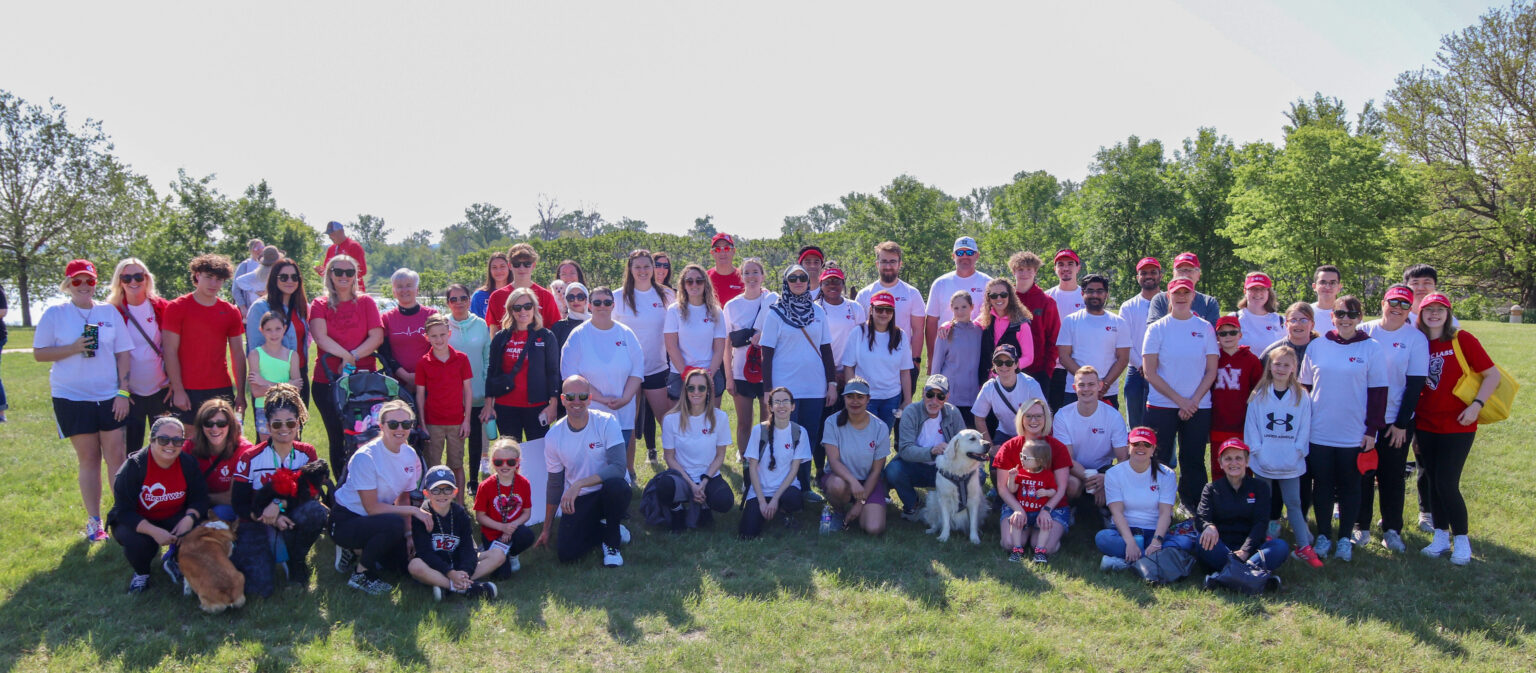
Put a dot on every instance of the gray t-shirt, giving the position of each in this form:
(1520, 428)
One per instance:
(858, 449)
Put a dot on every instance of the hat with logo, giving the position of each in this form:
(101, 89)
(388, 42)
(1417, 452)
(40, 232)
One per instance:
(1436, 298)
(1181, 284)
(1143, 435)
(882, 299)
(1148, 261)
(1066, 253)
(965, 243)
(830, 273)
(80, 266)
(937, 382)
(1256, 279)
(1399, 293)
(722, 237)
(1232, 443)
(1228, 321)
(1005, 349)
(437, 476)
(1189, 258)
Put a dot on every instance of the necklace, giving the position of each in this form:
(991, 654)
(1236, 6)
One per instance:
(85, 316)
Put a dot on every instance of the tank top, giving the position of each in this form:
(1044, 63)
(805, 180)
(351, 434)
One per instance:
(273, 369)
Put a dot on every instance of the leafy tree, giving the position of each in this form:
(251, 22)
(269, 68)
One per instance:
(1026, 216)
(703, 227)
(1201, 177)
(820, 219)
(188, 225)
(1123, 211)
(257, 215)
(369, 231)
(922, 218)
(1468, 125)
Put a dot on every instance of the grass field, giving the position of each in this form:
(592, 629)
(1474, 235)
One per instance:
(792, 601)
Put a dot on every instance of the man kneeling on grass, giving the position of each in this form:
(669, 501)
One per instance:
(585, 455)
(445, 550)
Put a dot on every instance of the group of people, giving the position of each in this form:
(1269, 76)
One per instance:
(1308, 408)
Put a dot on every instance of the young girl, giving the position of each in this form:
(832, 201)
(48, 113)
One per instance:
(501, 506)
(445, 551)
(775, 451)
(1034, 483)
(269, 365)
(1279, 421)
(955, 355)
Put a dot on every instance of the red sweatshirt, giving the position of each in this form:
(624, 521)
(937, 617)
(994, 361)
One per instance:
(1236, 375)
(1043, 330)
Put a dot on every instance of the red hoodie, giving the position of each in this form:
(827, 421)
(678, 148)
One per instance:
(1042, 330)
(1236, 375)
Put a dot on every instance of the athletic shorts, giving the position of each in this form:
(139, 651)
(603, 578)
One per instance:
(655, 381)
(86, 418)
(750, 390)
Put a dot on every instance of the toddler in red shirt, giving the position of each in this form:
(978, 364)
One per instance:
(502, 505)
(1034, 483)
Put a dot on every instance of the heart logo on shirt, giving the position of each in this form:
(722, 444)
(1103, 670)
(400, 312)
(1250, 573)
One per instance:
(149, 496)
(1095, 430)
(1354, 359)
(1154, 487)
(592, 445)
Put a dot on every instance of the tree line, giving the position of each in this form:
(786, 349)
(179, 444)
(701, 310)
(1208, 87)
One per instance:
(1443, 171)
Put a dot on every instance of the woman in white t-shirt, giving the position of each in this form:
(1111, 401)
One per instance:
(1256, 313)
(373, 504)
(90, 348)
(609, 356)
(797, 356)
(695, 333)
(1141, 493)
(1407, 351)
(776, 449)
(878, 353)
(642, 307)
(1179, 355)
(743, 318)
(133, 294)
(694, 436)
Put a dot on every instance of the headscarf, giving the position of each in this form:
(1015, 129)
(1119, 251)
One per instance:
(572, 314)
(795, 310)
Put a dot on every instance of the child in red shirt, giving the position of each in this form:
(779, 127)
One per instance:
(1237, 371)
(502, 505)
(443, 394)
(1033, 485)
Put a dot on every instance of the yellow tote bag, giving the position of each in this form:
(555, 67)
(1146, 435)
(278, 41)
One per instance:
(1499, 404)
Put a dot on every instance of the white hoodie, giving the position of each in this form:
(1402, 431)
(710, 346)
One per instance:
(1276, 432)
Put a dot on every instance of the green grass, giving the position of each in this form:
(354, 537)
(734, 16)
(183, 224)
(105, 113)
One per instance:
(792, 601)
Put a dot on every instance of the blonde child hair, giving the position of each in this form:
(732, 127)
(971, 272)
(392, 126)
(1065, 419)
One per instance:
(1040, 450)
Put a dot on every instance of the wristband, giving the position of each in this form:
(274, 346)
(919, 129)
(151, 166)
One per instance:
(122, 393)
(1479, 402)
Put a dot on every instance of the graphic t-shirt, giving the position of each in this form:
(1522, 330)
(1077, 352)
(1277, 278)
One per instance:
(1094, 340)
(696, 335)
(1439, 407)
(1092, 438)
(1027, 486)
(727, 286)
(648, 318)
(773, 459)
(164, 492)
(1140, 492)
(1407, 352)
(347, 323)
(1181, 347)
(79, 378)
(387, 473)
(909, 302)
(842, 320)
(696, 447)
(502, 502)
(581, 453)
(407, 335)
(945, 287)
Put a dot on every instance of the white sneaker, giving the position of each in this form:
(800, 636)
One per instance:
(514, 565)
(623, 534)
(611, 557)
(1393, 542)
(1461, 550)
(437, 594)
(1361, 537)
(1439, 545)
(1426, 522)
(1109, 563)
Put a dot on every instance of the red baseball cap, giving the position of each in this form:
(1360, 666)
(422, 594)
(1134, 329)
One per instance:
(1228, 320)
(690, 370)
(1181, 284)
(1143, 435)
(1148, 261)
(1366, 462)
(1399, 293)
(79, 266)
(881, 299)
(1435, 298)
(832, 272)
(722, 236)
(1232, 443)
(1256, 279)
(1189, 258)
(1066, 253)
(808, 252)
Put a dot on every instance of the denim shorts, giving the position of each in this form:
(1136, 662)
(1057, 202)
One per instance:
(1062, 515)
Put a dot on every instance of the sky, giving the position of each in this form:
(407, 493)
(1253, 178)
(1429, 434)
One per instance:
(668, 111)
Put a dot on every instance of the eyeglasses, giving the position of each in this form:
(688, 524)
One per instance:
(442, 490)
(572, 397)
(695, 280)
(518, 308)
(1347, 315)
(132, 277)
(167, 441)
(1298, 320)
(522, 264)
(1034, 417)
(936, 395)
(1228, 333)
(781, 402)
(282, 425)
(216, 423)
(698, 389)
(459, 299)
(504, 462)
(965, 253)
(1400, 303)
(997, 295)
(289, 278)
(602, 302)
(77, 282)
(396, 425)
(799, 278)
(343, 273)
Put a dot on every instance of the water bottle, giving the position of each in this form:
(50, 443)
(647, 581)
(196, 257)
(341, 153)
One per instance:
(826, 519)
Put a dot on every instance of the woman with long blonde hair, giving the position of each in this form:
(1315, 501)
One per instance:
(132, 293)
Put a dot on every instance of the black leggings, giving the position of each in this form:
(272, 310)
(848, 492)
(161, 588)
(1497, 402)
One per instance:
(1393, 482)
(519, 423)
(1191, 436)
(140, 549)
(596, 520)
(333, 430)
(522, 539)
(381, 537)
(752, 514)
(476, 437)
(143, 410)
(1442, 457)
(717, 496)
(1335, 478)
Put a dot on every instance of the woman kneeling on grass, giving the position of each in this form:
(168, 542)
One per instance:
(858, 443)
(160, 496)
(445, 544)
(775, 451)
(694, 437)
(276, 525)
(373, 507)
(1234, 513)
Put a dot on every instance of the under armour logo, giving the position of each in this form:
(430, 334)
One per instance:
(1281, 421)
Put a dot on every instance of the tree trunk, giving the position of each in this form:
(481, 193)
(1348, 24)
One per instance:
(23, 289)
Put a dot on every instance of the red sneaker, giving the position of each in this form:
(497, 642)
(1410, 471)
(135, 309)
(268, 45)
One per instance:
(1308, 555)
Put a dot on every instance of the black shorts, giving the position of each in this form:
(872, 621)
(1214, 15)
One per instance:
(749, 390)
(85, 418)
(655, 381)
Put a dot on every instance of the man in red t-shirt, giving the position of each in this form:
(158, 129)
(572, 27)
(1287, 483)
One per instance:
(1046, 319)
(725, 276)
(524, 260)
(1237, 372)
(341, 245)
(196, 330)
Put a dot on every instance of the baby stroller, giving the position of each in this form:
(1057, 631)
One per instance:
(357, 397)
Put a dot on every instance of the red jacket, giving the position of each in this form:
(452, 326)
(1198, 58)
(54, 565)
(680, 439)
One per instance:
(1043, 329)
(1236, 375)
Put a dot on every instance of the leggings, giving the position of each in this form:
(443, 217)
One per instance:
(1393, 481)
(1442, 457)
(476, 448)
(752, 519)
(522, 539)
(717, 497)
(519, 423)
(808, 413)
(333, 431)
(595, 520)
(381, 537)
(142, 410)
(140, 549)
(1335, 478)
(1289, 490)
(1191, 436)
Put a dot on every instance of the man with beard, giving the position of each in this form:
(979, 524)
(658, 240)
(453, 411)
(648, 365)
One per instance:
(1149, 276)
(1186, 265)
(1093, 336)
(909, 301)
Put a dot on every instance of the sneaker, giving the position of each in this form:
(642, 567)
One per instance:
(514, 565)
(138, 584)
(369, 585)
(1426, 522)
(172, 567)
(1361, 537)
(94, 532)
(623, 534)
(1461, 550)
(437, 594)
(1109, 563)
(1344, 551)
(1393, 542)
(814, 497)
(1016, 555)
(1274, 528)
(650, 454)
(481, 590)
(346, 560)
(1322, 546)
(1307, 555)
(611, 557)
(1409, 468)
(1439, 545)
(914, 515)
(1041, 557)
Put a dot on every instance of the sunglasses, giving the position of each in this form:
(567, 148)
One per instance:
(1228, 333)
(442, 490)
(77, 282)
(459, 299)
(1400, 303)
(216, 423)
(517, 308)
(167, 441)
(343, 273)
(698, 389)
(662, 265)
(797, 278)
(1348, 315)
(884, 309)
(522, 264)
(575, 297)
(722, 249)
(1003, 363)
(997, 295)
(288, 278)
(965, 253)
(282, 425)
(936, 395)
(572, 397)
(396, 425)
(602, 302)
(132, 277)
(693, 281)
(504, 462)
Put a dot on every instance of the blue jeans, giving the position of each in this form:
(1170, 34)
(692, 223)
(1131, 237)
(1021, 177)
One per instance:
(1110, 543)
(1270, 555)
(1135, 392)
(885, 410)
(906, 478)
